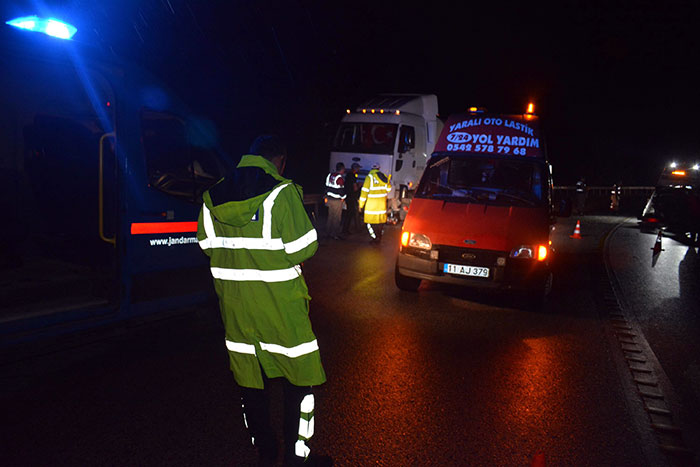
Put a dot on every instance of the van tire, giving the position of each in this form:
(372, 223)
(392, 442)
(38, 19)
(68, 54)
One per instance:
(409, 284)
(537, 298)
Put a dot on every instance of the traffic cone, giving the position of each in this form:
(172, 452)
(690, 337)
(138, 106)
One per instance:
(577, 230)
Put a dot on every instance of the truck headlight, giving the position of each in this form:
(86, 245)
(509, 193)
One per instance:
(538, 252)
(414, 240)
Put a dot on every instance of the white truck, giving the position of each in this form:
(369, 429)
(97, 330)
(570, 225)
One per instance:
(396, 131)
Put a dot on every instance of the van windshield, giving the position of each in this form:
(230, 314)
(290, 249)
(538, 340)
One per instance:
(485, 180)
(372, 138)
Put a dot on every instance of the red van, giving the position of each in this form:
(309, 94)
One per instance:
(482, 215)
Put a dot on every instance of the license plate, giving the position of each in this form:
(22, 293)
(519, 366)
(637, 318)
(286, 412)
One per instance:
(462, 270)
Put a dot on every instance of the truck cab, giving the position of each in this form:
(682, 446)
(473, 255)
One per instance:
(396, 131)
(482, 213)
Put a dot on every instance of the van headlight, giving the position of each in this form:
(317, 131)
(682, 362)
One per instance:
(538, 252)
(414, 240)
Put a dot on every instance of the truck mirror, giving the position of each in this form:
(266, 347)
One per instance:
(406, 139)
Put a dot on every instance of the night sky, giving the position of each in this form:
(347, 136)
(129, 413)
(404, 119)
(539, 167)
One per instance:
(616, 83)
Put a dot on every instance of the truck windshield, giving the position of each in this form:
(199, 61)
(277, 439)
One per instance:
(372, 138)
(485, 180)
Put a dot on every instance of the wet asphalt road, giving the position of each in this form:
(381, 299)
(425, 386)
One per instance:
(443, 376)
(664, 301)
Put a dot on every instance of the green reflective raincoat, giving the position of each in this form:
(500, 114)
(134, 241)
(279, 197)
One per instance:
(255, 230)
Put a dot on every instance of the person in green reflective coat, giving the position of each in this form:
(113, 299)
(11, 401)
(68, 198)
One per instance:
(255, 230)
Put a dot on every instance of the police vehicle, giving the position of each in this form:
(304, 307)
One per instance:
(102, 174)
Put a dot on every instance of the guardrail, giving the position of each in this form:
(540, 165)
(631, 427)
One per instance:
(313, 200)
(597, 190)
(632, 199)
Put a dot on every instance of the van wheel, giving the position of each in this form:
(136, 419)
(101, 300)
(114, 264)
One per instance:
(537, 298)
(409, 284)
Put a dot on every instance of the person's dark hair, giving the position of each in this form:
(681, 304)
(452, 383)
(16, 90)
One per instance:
(339, 166)
(268, 146)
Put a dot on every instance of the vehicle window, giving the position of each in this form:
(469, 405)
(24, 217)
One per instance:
(372, 138)
(481, 179)
(177, 162)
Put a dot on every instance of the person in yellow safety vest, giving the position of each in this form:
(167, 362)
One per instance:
(256, 232)
(375, 190)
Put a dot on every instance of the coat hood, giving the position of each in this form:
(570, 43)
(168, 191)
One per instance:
(380, 175)
(236, 198)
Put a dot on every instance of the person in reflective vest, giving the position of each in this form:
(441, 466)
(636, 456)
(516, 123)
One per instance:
(335, 199)
(615, 195)
(255, 230)
(375, 190)
(580, 196)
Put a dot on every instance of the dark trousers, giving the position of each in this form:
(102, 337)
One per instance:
(351, 216)
(256, 413)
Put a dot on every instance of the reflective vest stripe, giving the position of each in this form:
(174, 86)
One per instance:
(380, 195)
(306, 426)
(371, 231)
(235, 243)
(301, 449)
(291, 352)
(240, 347)
(302, 242)
(307, 404)
(375, 212)
(240, 275)
(333, 182)
(267, 209)
(208, 222)
(333, 188)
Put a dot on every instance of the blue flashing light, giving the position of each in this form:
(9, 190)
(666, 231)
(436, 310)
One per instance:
(49, 26)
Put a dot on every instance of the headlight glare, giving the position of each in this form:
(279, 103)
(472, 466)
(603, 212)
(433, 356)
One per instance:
(419, 241)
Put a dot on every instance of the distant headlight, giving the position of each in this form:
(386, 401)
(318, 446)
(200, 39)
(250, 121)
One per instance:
(416, 240)
(538, 252)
